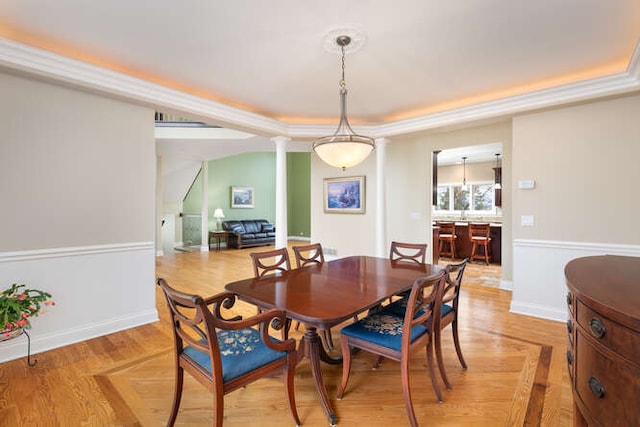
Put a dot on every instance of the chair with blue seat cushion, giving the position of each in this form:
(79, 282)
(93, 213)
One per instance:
(226, 354)
(397, 337)
(449, 314)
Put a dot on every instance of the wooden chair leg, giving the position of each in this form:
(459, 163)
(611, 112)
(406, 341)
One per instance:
(289, 385)
(406, 391)
(443, 373)
(177, 396)
(456, 341)
(432, 373)
(377, 363)
(486, 253)
(218, 407)
(346, 366)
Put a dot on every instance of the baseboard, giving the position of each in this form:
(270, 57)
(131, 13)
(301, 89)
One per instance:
(506, 285)
(300, 238)
(17, 347)
(543, 312)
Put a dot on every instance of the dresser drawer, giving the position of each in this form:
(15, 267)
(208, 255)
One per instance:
(618, 338)
(609, 389)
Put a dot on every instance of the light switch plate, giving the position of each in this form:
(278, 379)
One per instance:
(526, 221)
(526, 184)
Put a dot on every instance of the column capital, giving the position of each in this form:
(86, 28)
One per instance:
(280, 139)
(382, 141)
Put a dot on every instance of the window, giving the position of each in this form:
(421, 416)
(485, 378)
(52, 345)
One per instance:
(477, 197)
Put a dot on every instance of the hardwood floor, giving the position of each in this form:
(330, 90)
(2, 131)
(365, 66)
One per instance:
(517, 372)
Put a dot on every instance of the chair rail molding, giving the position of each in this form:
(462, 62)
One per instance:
(539, 286)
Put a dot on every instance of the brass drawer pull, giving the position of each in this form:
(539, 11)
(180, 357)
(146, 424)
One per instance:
(569, 357)
(569, 298)
(569, 326)
(597, 328)
(596, 387)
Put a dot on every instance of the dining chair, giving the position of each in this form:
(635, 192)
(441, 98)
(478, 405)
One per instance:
(447, 238)
(414, 252)
(397, 337)
(279, 262)
(311, 254)
(225, 354)
(407, 252)
(480, 236)
(449, 314)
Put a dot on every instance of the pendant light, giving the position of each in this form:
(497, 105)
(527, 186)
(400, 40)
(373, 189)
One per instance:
(344, 148)
(464, 174)
(498, 184)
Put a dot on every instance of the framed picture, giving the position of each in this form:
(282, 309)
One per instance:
(344, 195)
(241, 197)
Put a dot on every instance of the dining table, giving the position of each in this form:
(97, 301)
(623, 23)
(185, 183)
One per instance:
(324, 295)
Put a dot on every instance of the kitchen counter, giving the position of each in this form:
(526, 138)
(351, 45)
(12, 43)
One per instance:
(463, 242)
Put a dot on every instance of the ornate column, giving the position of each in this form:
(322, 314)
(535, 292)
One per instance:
(381, 200)
(281, 190)
(204, 197)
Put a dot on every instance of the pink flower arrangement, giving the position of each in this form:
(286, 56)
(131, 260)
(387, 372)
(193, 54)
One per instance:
(18, 305)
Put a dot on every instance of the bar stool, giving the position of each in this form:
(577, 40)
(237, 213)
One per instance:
(479, 234)
(447, 239)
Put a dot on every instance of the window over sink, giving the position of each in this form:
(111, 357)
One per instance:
(476, 198)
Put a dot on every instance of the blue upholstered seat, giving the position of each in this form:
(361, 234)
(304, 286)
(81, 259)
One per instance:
(241, 352)
(384, 329)
(399, 307)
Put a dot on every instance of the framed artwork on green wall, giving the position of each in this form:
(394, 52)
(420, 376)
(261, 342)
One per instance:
(242, 197)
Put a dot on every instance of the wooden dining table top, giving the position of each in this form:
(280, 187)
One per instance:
(325, 295)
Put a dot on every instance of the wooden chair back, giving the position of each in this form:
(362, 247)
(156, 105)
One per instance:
(308, 255)
(447, 228)
(479, 230)
(415, 252)
(200, 330)
(279, 262)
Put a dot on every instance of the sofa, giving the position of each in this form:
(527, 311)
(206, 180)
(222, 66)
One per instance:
(249, 232)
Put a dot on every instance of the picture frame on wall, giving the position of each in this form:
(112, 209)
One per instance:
(345, 195)
(242, 197)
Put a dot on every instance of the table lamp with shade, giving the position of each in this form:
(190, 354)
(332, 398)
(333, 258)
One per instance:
(218, 215)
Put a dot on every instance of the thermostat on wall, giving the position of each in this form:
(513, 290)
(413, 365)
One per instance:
(526, 184)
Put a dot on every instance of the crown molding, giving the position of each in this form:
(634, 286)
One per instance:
(46, 64)
(17, 56)
(633, 69)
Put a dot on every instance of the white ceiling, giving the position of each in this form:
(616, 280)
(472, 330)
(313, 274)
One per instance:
(268, 57)
(426, 61)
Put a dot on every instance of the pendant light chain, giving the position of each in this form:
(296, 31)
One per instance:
(342, 84)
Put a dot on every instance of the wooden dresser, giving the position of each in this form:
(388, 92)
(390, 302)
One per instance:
(604, 339)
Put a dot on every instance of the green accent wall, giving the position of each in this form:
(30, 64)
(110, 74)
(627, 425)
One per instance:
(299, 194)
(257, 170)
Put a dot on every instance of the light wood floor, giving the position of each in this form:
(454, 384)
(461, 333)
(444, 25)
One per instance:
(517, 374)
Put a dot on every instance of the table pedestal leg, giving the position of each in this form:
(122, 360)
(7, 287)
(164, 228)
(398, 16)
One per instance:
(313, 350)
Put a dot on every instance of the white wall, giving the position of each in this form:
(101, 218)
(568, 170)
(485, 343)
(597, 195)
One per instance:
(348, 234)
(584, 160)
(77, 185)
